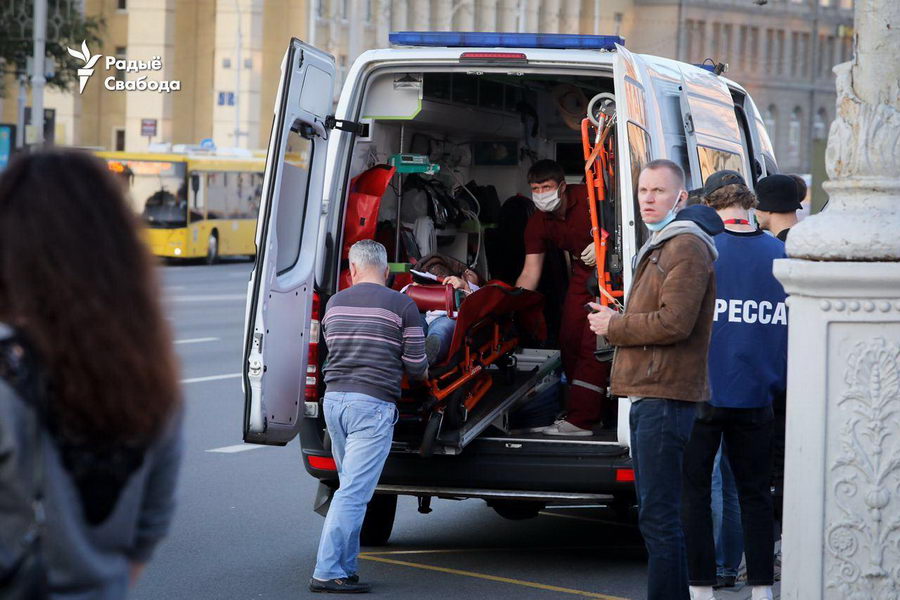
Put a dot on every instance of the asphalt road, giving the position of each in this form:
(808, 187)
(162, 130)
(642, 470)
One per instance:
(245, 527)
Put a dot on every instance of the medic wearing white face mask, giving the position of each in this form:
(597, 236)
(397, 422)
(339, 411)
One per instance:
(562, 220)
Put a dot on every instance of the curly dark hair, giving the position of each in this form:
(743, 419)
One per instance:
(729, 195)
(78, 281)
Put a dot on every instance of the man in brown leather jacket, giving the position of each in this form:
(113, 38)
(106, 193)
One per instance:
(661, 342)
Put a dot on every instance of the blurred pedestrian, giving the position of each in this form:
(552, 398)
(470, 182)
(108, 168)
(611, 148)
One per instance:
(747, 368)
(660, 364)
(373, 334)
(90, 417)
(778, 204)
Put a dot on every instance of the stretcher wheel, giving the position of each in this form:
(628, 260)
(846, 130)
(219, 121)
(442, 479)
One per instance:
(379, 520)
(429, 437)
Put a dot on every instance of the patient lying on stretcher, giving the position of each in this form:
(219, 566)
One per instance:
(438, 326)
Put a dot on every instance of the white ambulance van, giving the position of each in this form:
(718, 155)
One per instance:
(467, 106)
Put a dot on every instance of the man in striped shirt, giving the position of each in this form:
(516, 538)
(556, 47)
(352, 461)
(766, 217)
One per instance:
(373, 335)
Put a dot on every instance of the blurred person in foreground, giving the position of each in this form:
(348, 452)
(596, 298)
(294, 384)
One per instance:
(747, 369)
(90, 417)
(660, 364)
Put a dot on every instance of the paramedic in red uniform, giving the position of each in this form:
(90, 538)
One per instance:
(562, 220)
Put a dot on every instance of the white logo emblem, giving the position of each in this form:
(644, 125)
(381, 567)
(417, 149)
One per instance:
(85, 72)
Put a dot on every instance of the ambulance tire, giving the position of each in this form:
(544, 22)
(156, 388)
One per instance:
(429, 436)
(212, 248)
(517, 510)
(379, 520)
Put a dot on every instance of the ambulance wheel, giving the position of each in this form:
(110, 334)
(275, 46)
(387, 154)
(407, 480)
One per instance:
(517, 510)
(379, 520)
(429, 437)
(212, 248)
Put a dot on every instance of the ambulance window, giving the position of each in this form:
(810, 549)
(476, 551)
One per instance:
(292, 200)
(713, 159)
(639, 154)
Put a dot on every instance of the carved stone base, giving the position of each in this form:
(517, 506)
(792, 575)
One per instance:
(841, 535)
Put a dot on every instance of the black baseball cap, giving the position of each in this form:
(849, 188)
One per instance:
(720, 179)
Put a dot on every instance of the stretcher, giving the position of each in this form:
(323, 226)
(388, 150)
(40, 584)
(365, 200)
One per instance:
(490, 323)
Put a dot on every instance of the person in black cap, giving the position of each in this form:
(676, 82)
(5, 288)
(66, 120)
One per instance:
(778, 204)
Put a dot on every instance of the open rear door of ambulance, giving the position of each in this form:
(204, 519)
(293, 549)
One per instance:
(634, 149)
(280, 292)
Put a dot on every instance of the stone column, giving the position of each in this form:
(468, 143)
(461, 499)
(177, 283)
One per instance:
(842, 498)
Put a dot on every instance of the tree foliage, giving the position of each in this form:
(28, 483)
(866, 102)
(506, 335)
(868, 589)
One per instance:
(66, 27)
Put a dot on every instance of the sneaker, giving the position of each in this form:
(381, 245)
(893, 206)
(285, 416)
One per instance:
(432, 347)
(338, 586)
(562, 427)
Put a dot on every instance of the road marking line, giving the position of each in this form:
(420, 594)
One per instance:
(520, 582)
(197, 340)
(207, 297)
(237, 448)
(211, 378)
(589, 519)
(475, 550)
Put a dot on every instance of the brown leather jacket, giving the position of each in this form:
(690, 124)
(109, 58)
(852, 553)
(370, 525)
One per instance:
(662, 339)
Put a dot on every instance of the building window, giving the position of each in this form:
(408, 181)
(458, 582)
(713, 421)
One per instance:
(828, 56)
(121, 53)
(119, 144)
(742, 48)
(617, 17)
(121, 4)
(825, 3)
(846, 49)
(847, 4)
(754, 48)
(770, 118)
(795, 128)
(820, 125)
(727, 34)
(779, 53)
(804, 56)
(368, 11)
(248, 63)
(320, 8)
(716, 41)
(226, 63)
(345, 8)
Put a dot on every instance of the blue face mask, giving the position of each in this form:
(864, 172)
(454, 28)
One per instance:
(670, 216)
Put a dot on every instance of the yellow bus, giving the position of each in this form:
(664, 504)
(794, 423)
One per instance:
(193, 205)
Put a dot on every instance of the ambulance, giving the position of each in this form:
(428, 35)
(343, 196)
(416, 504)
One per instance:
(442, 110)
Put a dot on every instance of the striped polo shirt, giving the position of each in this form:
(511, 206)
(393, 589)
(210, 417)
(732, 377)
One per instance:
(373, 334)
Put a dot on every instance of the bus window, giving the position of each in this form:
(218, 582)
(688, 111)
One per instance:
(713, 159)
(158, 190)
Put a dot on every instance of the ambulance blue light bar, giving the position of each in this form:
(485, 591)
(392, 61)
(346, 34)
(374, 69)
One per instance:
(457, 39)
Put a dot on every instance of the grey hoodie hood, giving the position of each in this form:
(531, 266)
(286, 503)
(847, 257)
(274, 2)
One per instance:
(675, 228)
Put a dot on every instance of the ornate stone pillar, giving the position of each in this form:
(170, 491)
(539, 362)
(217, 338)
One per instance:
(842, 475)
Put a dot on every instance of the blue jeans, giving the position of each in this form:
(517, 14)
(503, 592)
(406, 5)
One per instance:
(443, 328)
(726, 513)
(660, 430)
(361, 429)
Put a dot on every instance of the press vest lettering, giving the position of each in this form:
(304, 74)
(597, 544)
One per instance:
(751, 311)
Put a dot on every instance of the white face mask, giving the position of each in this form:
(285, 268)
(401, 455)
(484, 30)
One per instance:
(546, 201)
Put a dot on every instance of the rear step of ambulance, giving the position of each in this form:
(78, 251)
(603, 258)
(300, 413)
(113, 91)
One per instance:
(535, 370)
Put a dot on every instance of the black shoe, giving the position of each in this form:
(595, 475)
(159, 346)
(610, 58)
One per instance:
(432, 347)
(339, 586)
(353, 578)
(724, 581)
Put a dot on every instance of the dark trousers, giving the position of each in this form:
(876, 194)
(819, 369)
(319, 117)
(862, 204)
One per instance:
(748, 435)
(659, 432)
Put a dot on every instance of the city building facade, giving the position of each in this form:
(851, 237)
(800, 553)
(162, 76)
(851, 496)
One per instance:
(227, 55)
